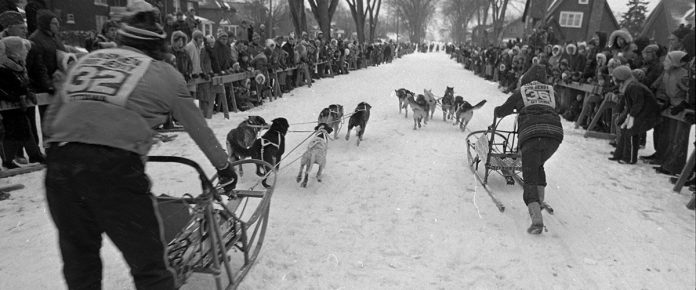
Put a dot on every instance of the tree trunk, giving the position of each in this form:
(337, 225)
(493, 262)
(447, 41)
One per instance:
(299, 18)
(358, 11)
(374, 17)
(323, 11)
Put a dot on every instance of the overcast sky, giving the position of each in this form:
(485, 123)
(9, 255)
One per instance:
(619, 6)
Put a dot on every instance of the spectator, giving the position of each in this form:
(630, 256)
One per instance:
(14, 89)
(639, 115)
(12, 24)
(105, 39)
(8, 5)
(651, 65)
(181, 25)
(31, 10)
(672, 93)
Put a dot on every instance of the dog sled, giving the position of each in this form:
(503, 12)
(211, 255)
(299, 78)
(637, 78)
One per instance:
(216, 233)
(495, 150)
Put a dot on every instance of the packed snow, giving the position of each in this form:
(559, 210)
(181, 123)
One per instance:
(403, 210)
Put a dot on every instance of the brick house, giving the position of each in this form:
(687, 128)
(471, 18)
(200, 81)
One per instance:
(81, 15)
(572, 20)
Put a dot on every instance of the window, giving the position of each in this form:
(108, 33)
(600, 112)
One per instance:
(101, 2)
(583, 1)
(70, 19)
(570, 19)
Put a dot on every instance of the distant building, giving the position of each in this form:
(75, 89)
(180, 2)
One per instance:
(666, 17)
(82, 15)
(572, 20)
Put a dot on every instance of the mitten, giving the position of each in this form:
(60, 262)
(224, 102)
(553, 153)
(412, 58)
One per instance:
(227, 178)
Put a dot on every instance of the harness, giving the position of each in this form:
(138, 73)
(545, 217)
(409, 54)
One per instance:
(265, 142)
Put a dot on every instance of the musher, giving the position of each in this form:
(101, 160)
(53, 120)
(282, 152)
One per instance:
(99, 134)
(540, 134)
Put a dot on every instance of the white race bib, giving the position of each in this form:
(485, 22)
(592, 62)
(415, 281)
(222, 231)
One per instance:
(108, 75)
(536, 93)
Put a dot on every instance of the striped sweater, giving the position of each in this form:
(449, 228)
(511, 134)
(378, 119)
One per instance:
(535, 120)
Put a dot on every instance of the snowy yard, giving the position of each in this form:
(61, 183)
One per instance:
(403, 211)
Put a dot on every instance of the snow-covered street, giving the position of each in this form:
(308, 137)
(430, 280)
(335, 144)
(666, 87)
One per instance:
(403, 210)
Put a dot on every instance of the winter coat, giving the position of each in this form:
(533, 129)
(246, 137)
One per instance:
(223, 54)
(42, 60)
(13, 84)
(653, 71)
(535, 104)
(640, 103)
(194, 53)
(31, 9)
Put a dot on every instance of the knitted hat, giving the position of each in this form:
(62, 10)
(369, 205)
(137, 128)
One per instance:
(221, 34)
(622, 73)
(197, 33)
(9, 18)
(142, 23)
(652, 48)
(535, 73)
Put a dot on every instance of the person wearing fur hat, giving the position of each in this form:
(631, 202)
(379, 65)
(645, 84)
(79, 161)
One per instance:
(639, 114)
(14, 89)
(183, 61)
(107, 37)
(621, 42)
(99, 139)
(540, 134)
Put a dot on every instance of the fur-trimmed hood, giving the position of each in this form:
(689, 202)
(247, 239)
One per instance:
(557, 49)
(622, 34)
(571, 49)
(177, 35)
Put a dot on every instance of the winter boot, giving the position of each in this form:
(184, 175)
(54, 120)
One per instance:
(537, 221)
(544, 206)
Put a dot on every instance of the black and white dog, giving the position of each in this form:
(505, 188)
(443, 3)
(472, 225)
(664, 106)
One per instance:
(403, 95)
(315, 154)
(463, 111)
(332, 116)
(359, 121)
(270, 147)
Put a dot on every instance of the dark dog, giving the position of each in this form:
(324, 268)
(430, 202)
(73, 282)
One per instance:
(447, 102)
(332, 116)
(403, 94)
(316, 153)
(464, 111)
(359, 120)
(270, 147)
(243, 137)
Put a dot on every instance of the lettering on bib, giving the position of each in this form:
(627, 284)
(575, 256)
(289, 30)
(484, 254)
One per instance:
(536, 93)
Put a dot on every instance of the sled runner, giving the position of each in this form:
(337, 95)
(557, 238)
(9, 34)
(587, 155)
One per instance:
(5, 190)
(22, 170)
(495, 150)
(216, 233)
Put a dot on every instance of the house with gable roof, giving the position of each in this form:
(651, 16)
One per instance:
(572, 20)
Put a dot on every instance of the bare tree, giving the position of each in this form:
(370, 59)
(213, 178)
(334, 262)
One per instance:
(323, 11)
(359, 13)
(299, 17)
(416, 14)
(373, 8)
(499, 8)
(459, 13)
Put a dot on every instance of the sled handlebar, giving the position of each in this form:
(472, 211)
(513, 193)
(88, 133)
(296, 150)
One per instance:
(206, 184)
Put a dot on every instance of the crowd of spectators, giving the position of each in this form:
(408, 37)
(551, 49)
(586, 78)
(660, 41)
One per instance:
(646, 85)
(32, 51)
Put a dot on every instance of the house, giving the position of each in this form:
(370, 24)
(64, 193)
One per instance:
(80, 15)
(514, 29)
(666, 17)
(572, 20)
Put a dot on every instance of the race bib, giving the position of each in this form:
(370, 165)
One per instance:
(108, 75)
(536, 93)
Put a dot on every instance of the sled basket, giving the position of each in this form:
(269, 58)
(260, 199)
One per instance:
(497, 150)
(216, 233)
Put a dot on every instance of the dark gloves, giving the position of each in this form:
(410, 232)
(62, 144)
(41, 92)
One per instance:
(679, 108)
(227, 178)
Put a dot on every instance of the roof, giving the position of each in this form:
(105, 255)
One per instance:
(674, 12)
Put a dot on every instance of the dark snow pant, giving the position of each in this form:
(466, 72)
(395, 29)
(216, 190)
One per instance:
(678, 146)
(93, 189)
(627, 146)
(535, 152)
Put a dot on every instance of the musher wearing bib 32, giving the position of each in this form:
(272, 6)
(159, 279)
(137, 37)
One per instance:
(540, 134)
(99, 131)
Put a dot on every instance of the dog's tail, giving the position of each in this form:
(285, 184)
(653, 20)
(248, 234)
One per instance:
(479, 105)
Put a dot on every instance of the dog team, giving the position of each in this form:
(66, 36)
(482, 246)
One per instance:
(423, 106)
(242, 142)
